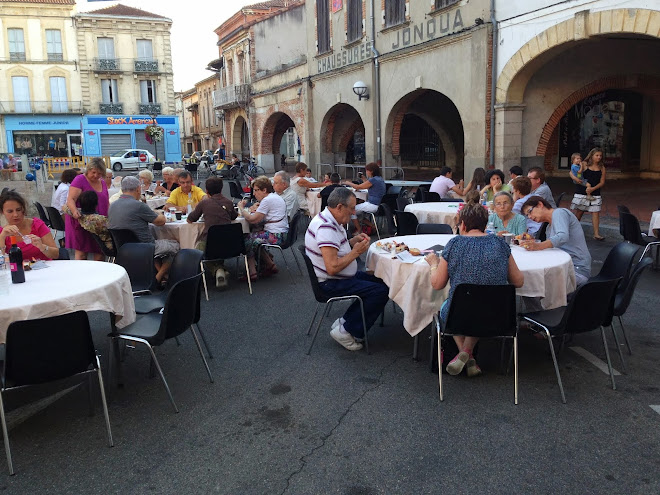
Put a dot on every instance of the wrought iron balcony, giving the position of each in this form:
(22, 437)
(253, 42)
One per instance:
(55, 57)
(17, 56)
(107, 65)
(232, 96)
(107, 108)
(35, 107)
(149, 108)
(145, 66)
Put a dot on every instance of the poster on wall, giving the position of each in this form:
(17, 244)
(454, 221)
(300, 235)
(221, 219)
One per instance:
(337, 5)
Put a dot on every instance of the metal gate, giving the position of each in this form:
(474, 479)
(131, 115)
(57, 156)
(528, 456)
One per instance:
(142, 143)
(111, 143)
(420, 145)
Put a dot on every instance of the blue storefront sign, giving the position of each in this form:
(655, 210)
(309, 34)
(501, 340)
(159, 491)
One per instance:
(106, 134)
(34, 135)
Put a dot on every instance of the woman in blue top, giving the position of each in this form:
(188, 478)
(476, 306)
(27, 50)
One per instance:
(504, 219)
(375, 186)
(472, 258)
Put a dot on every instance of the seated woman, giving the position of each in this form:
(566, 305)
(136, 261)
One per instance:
(90, 220)
(269, 222)
(146, 180)
(494, 184)
(375, 186)
(33, 236)
(472, 258)
(169, 183)
(504, 219)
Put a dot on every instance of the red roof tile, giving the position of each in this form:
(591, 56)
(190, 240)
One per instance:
(124, 10)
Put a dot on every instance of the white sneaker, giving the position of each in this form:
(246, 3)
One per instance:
(345, 339)
(220, 278)
(337, 322)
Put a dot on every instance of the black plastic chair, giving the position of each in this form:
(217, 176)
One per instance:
(291, 238)
(63, 254)
(618, 263)
(401, 203)
(224, 242)
(434, 228)
(633, 233)
(186, 264)
(406, 223)
(591, 308)
(110, 254)
(157, 169)
(192, 168)
(235, 190)
(621, 209)
(559, 198)
(42, 213)
(137, 258)
(624, 296)
(45, 350)
(154, 329)
(122, 236)
(431, 197)
(385, 212)
(496, 318)
(322, 298)
(56, 220)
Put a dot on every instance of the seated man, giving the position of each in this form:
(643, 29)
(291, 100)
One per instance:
(334, 259)
(129, 213)
(445, 186)
(186, 190)
(335, 180)
(281, 183)
(539, 186)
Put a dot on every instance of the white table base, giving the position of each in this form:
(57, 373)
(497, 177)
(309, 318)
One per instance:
(654, 223)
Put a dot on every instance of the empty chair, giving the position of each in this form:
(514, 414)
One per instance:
(122, 236)
(496, 318)
(291, 237)
(559, 198)
(154, 329)
(157, 169)
(137, 258)
(56, 220)
(591, 307)
(322, 298)
(45, 350)
(621, 209)
(385, 212)
(192, 168)
(401, 203)
(42, 213)
(224, 242)
(434, 228)
(406, 223)
(431, 197)
(618, 262)
(633, 233)
(235, 190)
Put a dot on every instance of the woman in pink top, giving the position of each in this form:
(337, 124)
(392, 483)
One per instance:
(33, 236)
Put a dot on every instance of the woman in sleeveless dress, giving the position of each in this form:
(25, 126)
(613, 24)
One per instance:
(590, 199)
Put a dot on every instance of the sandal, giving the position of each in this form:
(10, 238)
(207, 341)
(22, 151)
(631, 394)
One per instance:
(599, 238)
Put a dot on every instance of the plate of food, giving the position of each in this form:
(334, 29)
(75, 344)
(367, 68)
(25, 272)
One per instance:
(522, 237)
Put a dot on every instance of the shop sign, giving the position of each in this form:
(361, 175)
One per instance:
(129, 120)
(434, 27)
(345, 57)
(41, 123)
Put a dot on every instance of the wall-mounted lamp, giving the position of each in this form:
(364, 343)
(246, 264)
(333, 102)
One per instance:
(360, 89)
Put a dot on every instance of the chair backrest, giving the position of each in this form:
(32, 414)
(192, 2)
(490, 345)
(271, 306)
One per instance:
(540, 235)
(618, 262)
(434, 228)
(591, 306)
(158, 166)
(451, 200)
(42, 213)
(235, 190)
(623, 301)
(63, 254)
(395, 190)
(292, 235)
(431, 197)
(137, 258)
(48, 349)
(180, 308)
(559, 198)
(224, 241)
(104, 249)
(496, 315)
(122, 236)
(192, 166)
(385, 211)
(406, 223)
(621, 209)
(631, 229)
(401, 203)
(186, 264)
(319, 295)
(56, 221)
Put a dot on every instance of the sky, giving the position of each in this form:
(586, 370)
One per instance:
(193, 39)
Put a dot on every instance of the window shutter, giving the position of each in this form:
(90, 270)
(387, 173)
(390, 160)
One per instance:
(323, 25)
(354, 20)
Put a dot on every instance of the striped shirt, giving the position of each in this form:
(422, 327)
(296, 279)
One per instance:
(324, 231)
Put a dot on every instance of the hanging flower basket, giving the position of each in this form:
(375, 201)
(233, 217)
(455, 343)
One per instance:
(153, 133)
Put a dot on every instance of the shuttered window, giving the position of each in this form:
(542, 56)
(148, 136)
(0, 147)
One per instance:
(354, 20)
(441, 4)
(16, 45)
(395, 12)
(54, 44)
(323, 25)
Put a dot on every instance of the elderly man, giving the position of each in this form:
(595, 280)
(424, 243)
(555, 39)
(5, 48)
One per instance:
(334, 259)
(109, 181)
(539, 187)
(129, 213)
(180, 197)
(281, 183)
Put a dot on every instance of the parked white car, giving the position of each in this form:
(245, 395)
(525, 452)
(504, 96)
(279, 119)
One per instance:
(131, 159)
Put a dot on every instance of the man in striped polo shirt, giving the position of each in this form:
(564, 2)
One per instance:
(333, 257)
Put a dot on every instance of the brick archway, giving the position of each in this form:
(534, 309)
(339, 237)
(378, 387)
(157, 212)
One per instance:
(640, 82)
(344, 119)
(517, 72)
(274, 129)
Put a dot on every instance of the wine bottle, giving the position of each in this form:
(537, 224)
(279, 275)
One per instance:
(16, 262)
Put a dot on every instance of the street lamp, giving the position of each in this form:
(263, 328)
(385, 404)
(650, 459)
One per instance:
(153, 118)
(361, 90)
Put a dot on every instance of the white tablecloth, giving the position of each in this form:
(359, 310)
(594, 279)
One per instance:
(435, 212)
(68, 286)
(549, 274)
(186, 233)
(314, 202)
(156, 202)
(654, 223)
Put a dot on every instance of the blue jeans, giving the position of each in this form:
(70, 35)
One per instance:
(372, 291)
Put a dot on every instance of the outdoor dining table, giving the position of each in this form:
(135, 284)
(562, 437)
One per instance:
(654, 224)
(441, 212)
(156, 202)
(68, 286)
(314, 202)
(186, 233)
(408, 183)
(549, 274)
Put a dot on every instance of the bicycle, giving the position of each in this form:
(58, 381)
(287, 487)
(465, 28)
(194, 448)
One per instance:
(246, 168)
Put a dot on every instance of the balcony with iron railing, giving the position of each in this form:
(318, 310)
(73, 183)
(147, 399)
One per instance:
(145, 66)
(232, 96)
(111, 108)
(135, 65)
(107, 65)
(35, 107)
(17, 56)
(149, 108)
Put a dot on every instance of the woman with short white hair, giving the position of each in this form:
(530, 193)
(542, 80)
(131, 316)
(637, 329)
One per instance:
(146, 180)
(169, 183)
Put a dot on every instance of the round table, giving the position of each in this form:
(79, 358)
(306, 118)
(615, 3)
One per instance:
(186, 233)
(549, 274)
(443, 212)
(654, 223)
(314, 202)
(68, 286)
(156, 202)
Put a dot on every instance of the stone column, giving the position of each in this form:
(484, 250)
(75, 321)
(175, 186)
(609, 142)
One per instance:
(508, 135)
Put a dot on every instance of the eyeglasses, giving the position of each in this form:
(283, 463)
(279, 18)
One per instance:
(529, 211)
(502, 204)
